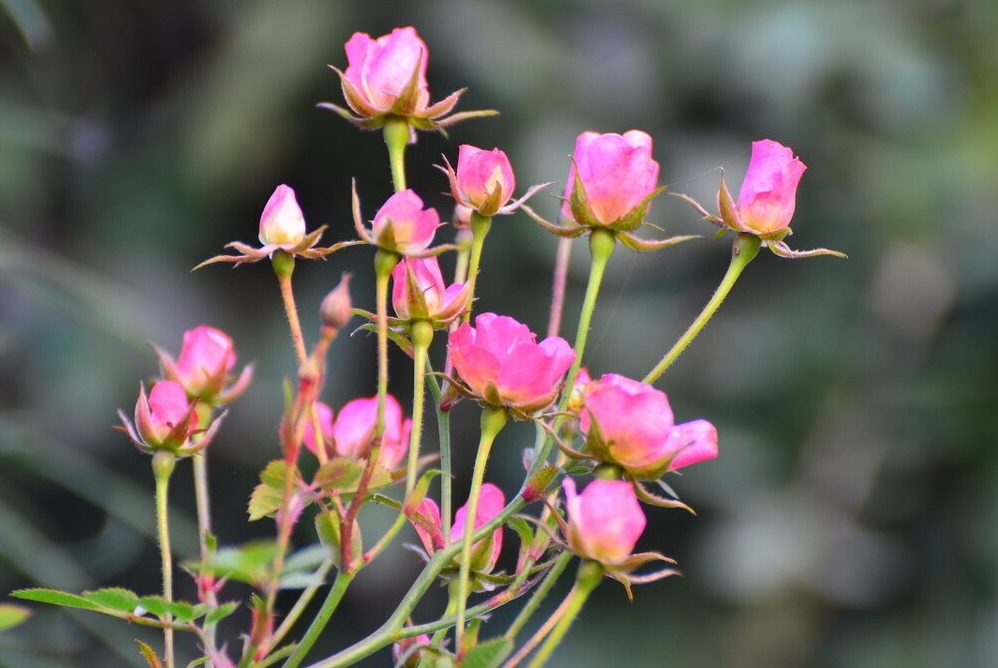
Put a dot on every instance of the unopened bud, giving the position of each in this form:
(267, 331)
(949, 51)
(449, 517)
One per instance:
(335, 310)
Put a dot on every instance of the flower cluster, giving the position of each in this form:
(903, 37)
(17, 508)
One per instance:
(612, 437)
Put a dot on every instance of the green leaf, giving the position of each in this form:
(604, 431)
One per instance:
(114, 598)
(267, 496)
(56, 597)
(149, 654)
(182, 611)
(338, 474)
(251, 563)
(488, 654)
(221, 612)
(327, 526)
(12, 615)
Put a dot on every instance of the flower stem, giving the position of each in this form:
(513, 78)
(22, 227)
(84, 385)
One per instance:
(558, 284)
(422, 336)
(391, 629)
(443, 435)
(322, 618)
(538, 596)
(396, 133)
(384, 262)
(744, 250)
(284, 266)
(163, 463)
(480, 226)
(601, 246)
(590, 575)
(201, 499)
(493, 420)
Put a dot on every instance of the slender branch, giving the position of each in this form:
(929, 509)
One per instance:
(284, 265)
(163, 463)
(559, 284)
(744, 250)
(422, 336)
(480, 226)
(539, 594)
(590, 575)
(322, 618)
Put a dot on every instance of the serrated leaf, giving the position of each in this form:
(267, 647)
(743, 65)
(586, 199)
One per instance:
(338, 474)
(327, 527)
(114, 598)
(56, 597)
(488, 654)
(249, 563)
(12, 615)
(182, 611)
(267, 496)
(221, 612)
(149, 654)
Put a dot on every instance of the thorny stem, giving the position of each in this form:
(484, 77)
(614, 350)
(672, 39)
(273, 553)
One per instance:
(743, 251)
(392, 629)
(590, 575)
(322, 618)
(396, 133)
(493, 420)
(163, 463)
(422, 336)
(284, 266)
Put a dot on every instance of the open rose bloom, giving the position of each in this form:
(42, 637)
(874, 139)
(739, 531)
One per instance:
(630, 424)
(401, 225)
(502, 363)
(354, 427)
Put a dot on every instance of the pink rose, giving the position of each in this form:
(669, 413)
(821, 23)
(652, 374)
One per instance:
(611, 181)
(767, 199)
(402, 225)
(419, 293)
(282, 224)
(483, 181)
(168, 408)
(207, 355)
(630, 423)
(325, 417)
(354, 429)
(485, 552)
(604, 521)
(501, 361)
(381, 72)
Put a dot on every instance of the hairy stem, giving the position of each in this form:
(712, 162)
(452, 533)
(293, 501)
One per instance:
(163, 463)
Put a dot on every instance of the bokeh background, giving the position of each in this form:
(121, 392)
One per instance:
(852, 519)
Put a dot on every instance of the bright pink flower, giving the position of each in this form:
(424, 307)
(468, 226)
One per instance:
(168, 407)
(604, 521)
(767, 199)
(282, 223)
(630, 423)
(501, 361)
(483, 181)
(402, 225)
(354, 429)
(325, 416)
(206, 356)
(419, 293)
(485, 552)
(611, 181)
(407, 652)
(380, 72)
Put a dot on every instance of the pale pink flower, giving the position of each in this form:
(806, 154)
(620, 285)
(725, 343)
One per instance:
(325, 416)
(419, 292)
(207, 355)
(485, 552)
(168, 407)
(401, 225)
(354, 429)
(612, 180)
(604, 521)
(381, 72)
(631, 424)
(501, 361)
(767, 198)
(282, 224)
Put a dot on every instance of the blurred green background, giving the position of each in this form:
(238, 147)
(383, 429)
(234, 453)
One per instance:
(852, 519)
